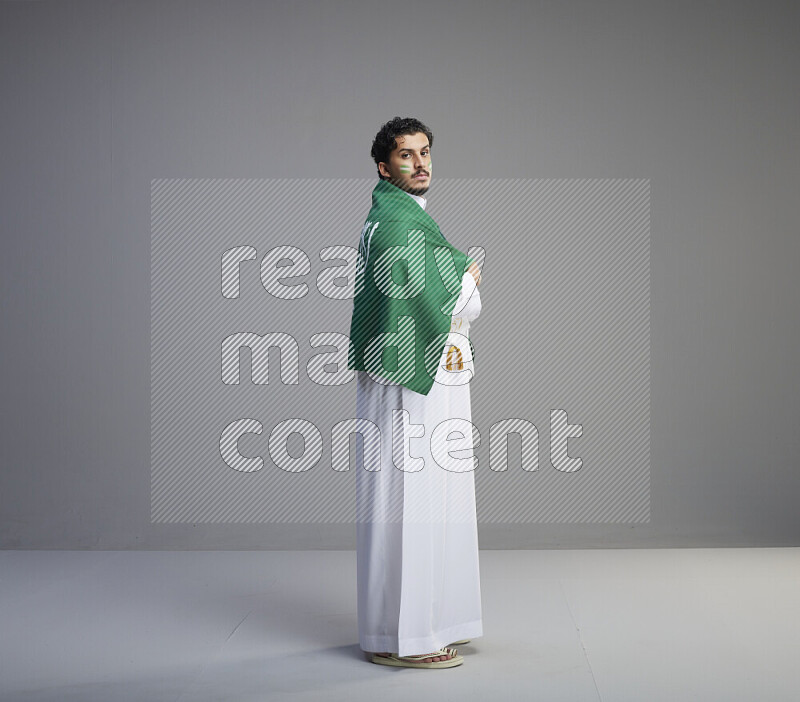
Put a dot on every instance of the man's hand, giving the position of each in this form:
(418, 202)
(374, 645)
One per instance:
(476, 272)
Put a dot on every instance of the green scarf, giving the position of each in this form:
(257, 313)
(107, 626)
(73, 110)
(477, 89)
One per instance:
(406, 313)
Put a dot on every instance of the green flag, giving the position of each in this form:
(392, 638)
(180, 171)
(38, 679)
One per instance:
(408, 279)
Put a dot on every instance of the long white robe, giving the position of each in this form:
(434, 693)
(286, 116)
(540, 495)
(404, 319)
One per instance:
(416, 530)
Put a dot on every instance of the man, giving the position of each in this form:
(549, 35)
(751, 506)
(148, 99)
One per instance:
(417, 547)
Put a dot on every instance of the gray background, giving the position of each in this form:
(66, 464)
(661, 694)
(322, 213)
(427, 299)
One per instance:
(100, 98)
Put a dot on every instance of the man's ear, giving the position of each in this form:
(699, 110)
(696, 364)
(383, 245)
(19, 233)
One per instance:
(384, 170)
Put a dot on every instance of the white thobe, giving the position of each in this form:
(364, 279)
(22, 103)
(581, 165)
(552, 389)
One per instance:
(416, 531)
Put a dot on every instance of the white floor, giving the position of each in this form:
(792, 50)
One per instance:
(611, 625)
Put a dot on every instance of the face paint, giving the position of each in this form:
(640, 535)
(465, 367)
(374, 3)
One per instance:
(405, 169)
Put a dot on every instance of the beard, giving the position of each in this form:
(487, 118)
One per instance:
(411, 187)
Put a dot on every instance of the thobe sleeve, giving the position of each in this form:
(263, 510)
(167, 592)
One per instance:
(468, 305)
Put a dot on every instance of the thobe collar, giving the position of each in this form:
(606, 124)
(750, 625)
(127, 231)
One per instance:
(421, 201)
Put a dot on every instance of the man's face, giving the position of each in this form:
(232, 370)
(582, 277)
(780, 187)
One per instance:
(410, 160)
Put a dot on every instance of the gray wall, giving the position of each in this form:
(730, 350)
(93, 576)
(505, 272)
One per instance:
(100, 98)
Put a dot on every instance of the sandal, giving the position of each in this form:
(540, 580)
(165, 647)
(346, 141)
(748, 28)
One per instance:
(460, 643)
(416, 661)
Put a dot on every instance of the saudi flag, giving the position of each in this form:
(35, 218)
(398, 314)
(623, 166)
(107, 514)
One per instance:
(408, 279)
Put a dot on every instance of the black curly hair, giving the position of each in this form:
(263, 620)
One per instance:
(385, 143)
